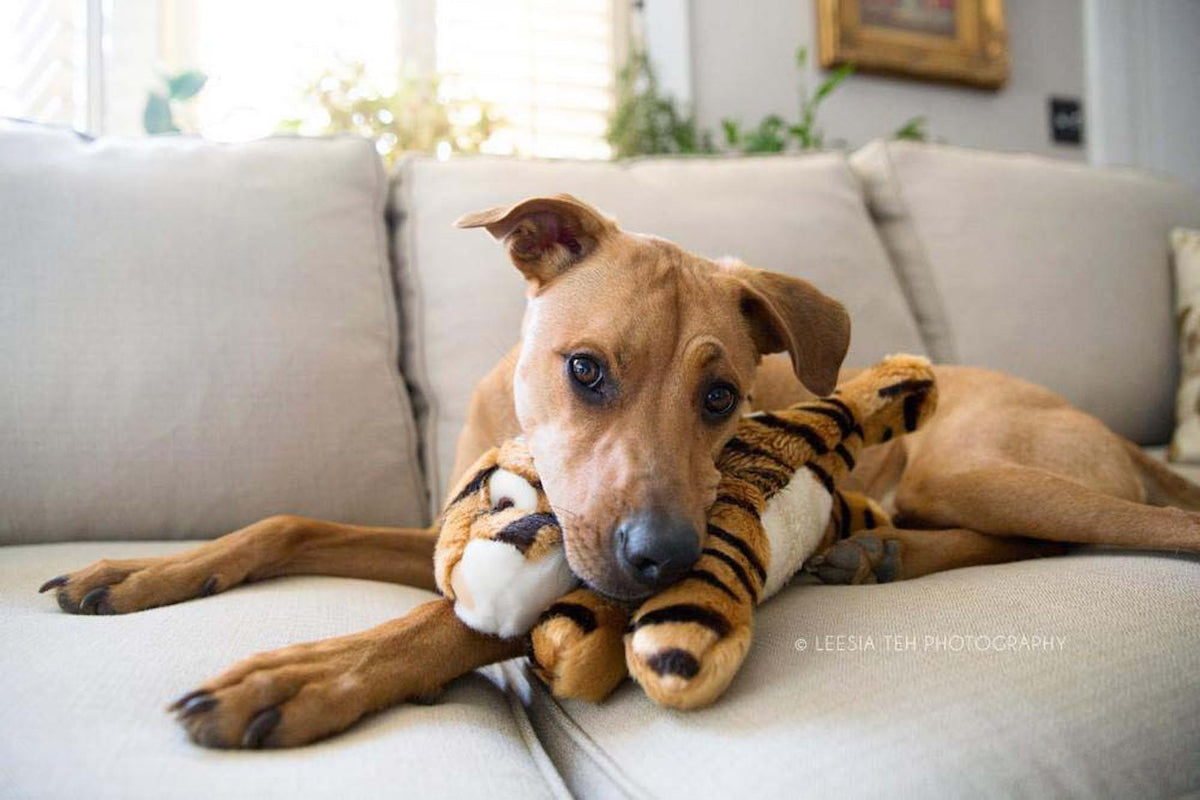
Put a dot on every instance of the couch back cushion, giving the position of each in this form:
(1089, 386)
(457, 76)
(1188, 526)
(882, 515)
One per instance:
(194, 336)
(1053, 271)
(463, 300)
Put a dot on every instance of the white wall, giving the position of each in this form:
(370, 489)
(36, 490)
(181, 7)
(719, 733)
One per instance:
(742, 67)
(1144, 84)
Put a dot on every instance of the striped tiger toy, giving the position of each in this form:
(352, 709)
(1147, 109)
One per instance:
(500, 557)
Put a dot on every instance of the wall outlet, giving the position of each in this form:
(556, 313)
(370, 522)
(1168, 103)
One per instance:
(1066, 120)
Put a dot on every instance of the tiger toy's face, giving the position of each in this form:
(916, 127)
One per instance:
(500, 556)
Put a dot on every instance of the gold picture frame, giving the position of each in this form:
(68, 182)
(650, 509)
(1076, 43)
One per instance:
(956, 41)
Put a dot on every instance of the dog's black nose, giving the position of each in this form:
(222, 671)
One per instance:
(656, 547)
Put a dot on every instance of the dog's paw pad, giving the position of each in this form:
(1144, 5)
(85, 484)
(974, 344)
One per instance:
(860, 559)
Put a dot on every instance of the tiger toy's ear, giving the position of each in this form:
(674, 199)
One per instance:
(499, 554)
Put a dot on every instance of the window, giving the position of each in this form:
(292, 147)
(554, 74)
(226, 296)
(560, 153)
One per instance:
(44, 58)
(545, 67)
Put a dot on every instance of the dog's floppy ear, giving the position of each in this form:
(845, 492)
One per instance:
(544, 236)
(786, 313)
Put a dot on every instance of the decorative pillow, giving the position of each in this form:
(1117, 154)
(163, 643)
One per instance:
(196, 335)
(1185, 445)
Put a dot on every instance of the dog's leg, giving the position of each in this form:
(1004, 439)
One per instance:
(306, 692)
(282, 545)
(1014, 500)
(890, 554)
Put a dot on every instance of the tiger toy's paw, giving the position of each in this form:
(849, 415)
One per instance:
(685, 655)
(499, 554)
(864, 558)
(576, 649)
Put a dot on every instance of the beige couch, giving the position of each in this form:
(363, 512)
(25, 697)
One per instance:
(196, 335)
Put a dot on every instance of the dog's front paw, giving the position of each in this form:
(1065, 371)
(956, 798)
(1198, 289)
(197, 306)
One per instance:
(576, 649)
(864, 558)
(282, 698)
(686, 655)
(119, 587)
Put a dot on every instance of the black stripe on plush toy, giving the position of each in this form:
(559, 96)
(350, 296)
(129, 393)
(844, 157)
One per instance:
(768, 481)
(674, 662)
(918, 385)
(476, 482)
(583, 617)
(912, 410)
(736, 568)
(805, 432)
(822, 476)
(844, 454)
(850, 417)
(742, 547)
(522, 533)
(704, 576)
(744, 505)
(844, 522)
(741, 446)
(683, 613)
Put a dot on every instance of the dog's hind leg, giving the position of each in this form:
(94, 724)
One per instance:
(1163, 486)
(1005, 499)
(886, 554)
(276, 546)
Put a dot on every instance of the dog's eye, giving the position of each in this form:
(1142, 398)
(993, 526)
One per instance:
(586, 372)
(720, 400)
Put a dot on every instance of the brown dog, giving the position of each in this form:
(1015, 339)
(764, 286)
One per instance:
(636, 360)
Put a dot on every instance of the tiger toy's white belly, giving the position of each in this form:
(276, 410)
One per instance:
(794, 522)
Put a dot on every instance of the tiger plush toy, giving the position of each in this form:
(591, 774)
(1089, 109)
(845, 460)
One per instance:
(500, 557)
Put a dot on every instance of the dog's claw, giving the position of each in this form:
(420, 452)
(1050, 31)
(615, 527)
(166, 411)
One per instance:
(96, 602)
(182, 700)
(260, 728)
(209, 587)
(53, 583)
(195, 703)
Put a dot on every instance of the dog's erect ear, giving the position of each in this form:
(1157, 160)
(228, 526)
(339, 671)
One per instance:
(544, 236)
(789, 314)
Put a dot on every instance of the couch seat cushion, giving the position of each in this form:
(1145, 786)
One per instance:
(1109, 708)
(196, 335)
(463, 300)
(84, 697)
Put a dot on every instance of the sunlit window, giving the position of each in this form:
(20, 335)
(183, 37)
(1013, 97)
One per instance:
(43, 54)
(547, 66)
(260, 55)
(543, 69)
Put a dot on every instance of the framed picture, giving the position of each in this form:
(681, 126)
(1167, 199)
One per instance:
(960, 41)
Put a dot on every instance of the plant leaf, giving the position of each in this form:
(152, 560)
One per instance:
(801, 56)
(832, 82)
(157, 117)
(913, 130)
(732, 130)
(185, 85)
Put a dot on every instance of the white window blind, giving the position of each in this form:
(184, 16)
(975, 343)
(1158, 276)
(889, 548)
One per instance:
(547, 67)
(43, 59)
